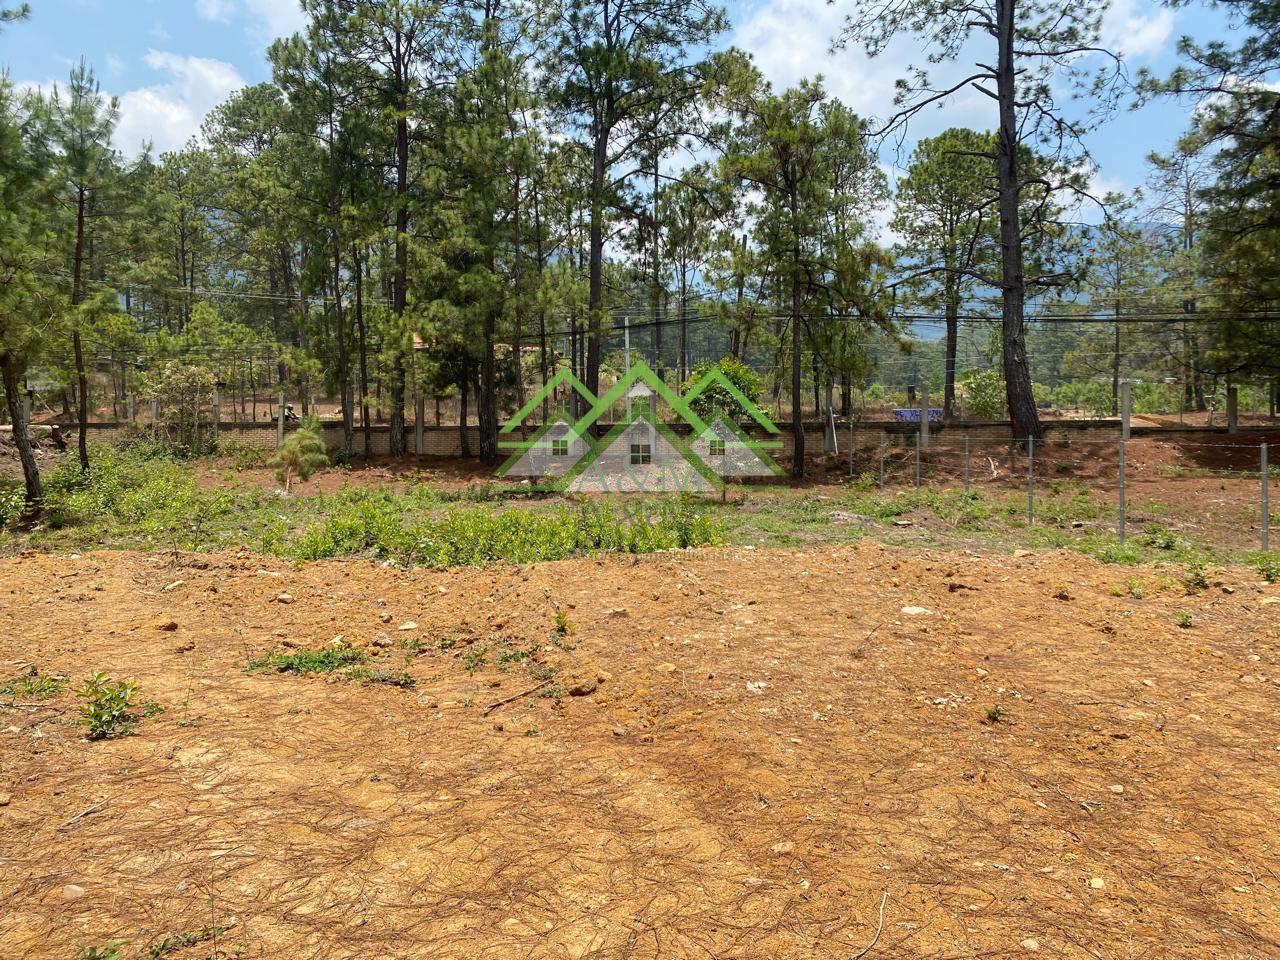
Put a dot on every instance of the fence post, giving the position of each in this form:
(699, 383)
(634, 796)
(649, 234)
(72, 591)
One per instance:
(1031, 473)
(924, 415)
(917, 461)
(217, 409)
(1126, 408)
(420, 414)
(280, 423)
(967, 458)
(1266, 501)
(1233, 409)
(851, 436)
(881, 459)
(1122, 501)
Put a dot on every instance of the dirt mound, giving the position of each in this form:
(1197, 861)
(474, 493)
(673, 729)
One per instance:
(1023, 755)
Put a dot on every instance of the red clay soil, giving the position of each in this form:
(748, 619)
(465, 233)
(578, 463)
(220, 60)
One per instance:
(768, 746)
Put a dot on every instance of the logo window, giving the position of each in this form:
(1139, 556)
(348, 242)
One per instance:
(641, 453)
(559, 448)
(717, 448)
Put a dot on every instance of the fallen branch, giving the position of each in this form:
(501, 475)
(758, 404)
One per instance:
(514, 697)
(879, 926)
(85, 812)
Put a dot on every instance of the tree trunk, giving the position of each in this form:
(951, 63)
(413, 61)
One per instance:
(77, 296)
(1017, 375)
(344, 360)
(400, 280)
(12, 378)
(366, 427)
(595, 299)
(953, 341)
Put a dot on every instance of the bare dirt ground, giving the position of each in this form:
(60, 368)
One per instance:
(768, 746)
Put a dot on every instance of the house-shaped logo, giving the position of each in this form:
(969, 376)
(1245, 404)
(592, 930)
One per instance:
(640, 453)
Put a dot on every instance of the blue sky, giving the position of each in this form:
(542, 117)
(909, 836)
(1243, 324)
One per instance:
(170, 61)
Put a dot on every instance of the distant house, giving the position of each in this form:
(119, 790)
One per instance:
(552, 451)
(641, 456)
(731, 453)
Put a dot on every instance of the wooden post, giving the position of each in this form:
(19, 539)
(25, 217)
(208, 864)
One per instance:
(1233, 409)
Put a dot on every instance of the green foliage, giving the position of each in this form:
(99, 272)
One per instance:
(984, 395)
(1196, 578)
(302, 453)
(107, 706)
(180, 941)
(33, 685)
(1184, 620)
(1268, 566)
(305, 662)
(996, 714)
(475, 658)
(12, 502)
(114, 950)
(718, 400)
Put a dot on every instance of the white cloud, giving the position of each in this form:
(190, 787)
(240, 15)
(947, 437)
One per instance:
(169, 114)
(218, 10)
(280, 18)
(791, 40)
(1137, 30)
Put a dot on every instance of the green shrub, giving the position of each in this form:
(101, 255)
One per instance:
(106, 709)
(301, 455)
(716, 399)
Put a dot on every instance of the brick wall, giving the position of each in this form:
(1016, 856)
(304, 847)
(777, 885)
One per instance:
(444, 441)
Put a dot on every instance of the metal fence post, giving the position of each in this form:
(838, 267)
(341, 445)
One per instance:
(1122, 501)
(881, 459)
(917, 461)
(1266, 501)
(924, 414)
(280, 423)
(1031, 473)
(967, 457)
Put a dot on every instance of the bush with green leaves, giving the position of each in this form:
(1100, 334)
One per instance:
(302, 453)
(716, 399)
(984, 395)
(107, 707)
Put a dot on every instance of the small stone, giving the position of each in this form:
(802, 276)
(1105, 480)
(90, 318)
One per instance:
(166, 625)
(916, 611)
(982, 673)
(170, 587)
(619, 731)
(583, 688)
(784, 846)
(409, 625)
(5, 799)
(1097, 883)
(284, 598)
(384, 617)
(72, 892)
(1116, 788)
(1031, 945)
(618, 612)
(666, 668)
(382, 641)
